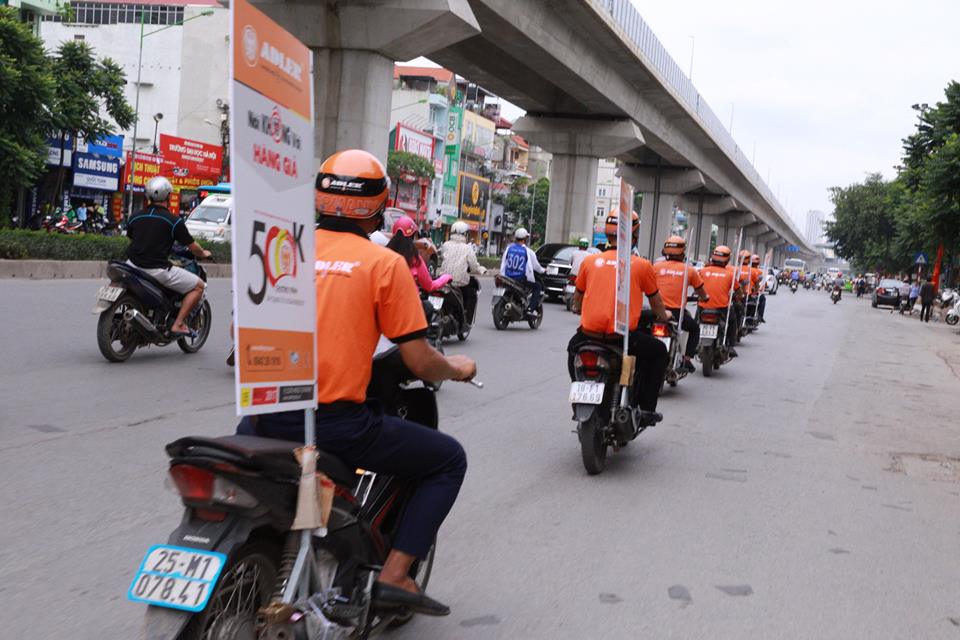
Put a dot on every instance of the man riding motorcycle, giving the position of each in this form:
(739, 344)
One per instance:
(579, 256)
(152, 233)
(458, 260)
(365, 291)
(718, 278)
(595, 299)
(760, 286)
(520, 263)
(670, 276)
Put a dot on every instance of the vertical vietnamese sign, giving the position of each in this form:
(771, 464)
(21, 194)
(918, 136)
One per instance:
(624, 253)
(274, 300)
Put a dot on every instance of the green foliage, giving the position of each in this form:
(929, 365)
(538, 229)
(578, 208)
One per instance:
(399, 162)
(526, 200)
(19, 244)
(26, 91)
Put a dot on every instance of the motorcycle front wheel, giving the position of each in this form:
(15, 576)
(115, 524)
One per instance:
(201, 324)
(952, 319)
(244, 588)
(593, 447)
(116, 339)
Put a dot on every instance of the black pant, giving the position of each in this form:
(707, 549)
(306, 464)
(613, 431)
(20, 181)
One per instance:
(651, 355)
(692, 327)
(469, 294)
(925, 308)
(363, 436)
(761, 306)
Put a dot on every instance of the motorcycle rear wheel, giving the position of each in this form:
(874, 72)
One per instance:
(593, 448)
(499, 316)
(111, 328)
(952, 319)
(201, 324)
(535, 321)
(707, 357)
(246, 585)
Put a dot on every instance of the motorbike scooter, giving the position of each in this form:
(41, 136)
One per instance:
(137, 311)
(793, 286)
(835, 295)
(454, 317)
(510, 303)
(667, 334)
(713, 350)
(227, 571)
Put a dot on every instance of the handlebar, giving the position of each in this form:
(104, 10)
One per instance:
(476, 383)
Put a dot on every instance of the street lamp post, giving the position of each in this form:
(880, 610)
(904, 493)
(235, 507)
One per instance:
(136, 103)
(157, 117)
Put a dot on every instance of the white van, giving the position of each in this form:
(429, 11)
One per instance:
(211, 219)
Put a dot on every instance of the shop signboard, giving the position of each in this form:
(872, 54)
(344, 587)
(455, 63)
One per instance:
(413, 141)
(110, 146)
(474, 196)
(452, 150)
(191, 162)
(96, 172)
(274, 299)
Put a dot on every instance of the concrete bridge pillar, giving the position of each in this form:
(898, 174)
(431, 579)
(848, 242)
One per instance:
(354, 48)
(576, 145)
(710, 209)
(732, 223)
(661, 188)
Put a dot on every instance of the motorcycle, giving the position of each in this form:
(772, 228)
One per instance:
(835, 295)
(454, 317)
(233, 568)
(751, 321)
(432, 306)
(510, 302)
(568, 290)
(793, 286)
(137, 311)
(713, 351)
(66, 226)
(667, 334)
(603, 403)
(948, 298)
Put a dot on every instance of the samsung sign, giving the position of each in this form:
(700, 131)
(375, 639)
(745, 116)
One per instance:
(96, 172)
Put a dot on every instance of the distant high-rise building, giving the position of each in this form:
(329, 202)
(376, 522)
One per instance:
(814, 229)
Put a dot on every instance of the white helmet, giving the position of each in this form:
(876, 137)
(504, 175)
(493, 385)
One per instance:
(460, 227)
(158, 189)
(521, 234)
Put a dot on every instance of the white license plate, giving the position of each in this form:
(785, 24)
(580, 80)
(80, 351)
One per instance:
(708, 331)
(665, 341)
(499, 291)
(177, 577)
(552, 271)
(436, 302)
(108, 293)
(586, 392)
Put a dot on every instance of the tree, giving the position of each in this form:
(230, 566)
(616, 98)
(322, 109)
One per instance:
(26, 92)
(528, 203)
(405, 162)
(88, 95)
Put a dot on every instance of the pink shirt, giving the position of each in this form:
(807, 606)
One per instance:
(422, 277)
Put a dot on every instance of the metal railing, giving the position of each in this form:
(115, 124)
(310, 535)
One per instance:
(635, 30)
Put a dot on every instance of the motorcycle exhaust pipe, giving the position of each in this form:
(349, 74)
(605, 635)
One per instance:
(140, 322)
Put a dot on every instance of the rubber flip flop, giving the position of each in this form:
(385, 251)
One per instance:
(183, 334)
(390, 597)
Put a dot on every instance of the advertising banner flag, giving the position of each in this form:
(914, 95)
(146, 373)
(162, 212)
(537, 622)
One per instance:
(274, 299)
(191, 162)
(624, 253)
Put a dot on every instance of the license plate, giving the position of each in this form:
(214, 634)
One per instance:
(569, 289)
(552, 271)
(708, 331)
(177, 577)
(499, 291)
(108, 293)
(586, 392)
(436, 302)
(665, 341)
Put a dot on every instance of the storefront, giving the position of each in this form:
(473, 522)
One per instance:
(188, 164)
(474, 200)
(411, 193)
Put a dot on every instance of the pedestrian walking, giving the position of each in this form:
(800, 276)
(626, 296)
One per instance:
(914, 294)
(82, 214)
(927, 294)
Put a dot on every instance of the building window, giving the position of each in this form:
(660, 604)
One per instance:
(601, 192)
(111, 13)
(601, 212)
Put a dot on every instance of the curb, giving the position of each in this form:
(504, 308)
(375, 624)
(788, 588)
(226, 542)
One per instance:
(78, 269)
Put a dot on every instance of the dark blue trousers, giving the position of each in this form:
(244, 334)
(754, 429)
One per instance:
(363, 436)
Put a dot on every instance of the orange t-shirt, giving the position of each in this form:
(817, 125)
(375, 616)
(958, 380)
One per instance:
(363, 291)
(597, 281)
(670, 281)
(757, 277)
(716, 282)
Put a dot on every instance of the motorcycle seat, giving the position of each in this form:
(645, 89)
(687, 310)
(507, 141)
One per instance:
(123, 266)
(267, 454)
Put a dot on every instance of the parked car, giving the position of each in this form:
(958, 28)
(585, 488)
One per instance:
(887, 293)
(557, 264)
(211, 219)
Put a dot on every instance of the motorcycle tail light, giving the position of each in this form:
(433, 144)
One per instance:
(709, 318)
(661, 331)
(590, 363)
(198, 485)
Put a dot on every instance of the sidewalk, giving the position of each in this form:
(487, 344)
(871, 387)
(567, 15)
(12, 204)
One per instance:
(78, 269)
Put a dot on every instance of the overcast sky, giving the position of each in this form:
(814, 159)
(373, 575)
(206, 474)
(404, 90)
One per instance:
(823, 87)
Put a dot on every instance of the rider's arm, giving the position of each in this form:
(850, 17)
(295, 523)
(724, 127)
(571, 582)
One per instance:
(702, 293)
(422, 276)
(503, 261)
(427, 363)
(181, 235)
(533, 261)
(473, 265)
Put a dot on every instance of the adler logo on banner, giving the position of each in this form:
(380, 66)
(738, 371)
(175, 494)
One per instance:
(254, 51)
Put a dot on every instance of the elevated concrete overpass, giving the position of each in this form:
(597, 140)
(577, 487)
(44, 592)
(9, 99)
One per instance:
(594, 80)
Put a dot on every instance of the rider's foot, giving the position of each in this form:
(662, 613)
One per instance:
(688, 366)
(650, 418)
(390, 596)
(733, 352)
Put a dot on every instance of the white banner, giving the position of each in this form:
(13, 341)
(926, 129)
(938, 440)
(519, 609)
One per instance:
(274, 299)
(624, 253)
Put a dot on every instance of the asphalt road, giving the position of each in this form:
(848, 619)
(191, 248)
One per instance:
(810, 490)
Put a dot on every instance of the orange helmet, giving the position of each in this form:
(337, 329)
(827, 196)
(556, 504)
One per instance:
(721, 255)
(611, 226)
(674, 247)
(755, 260)
(351, 184)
